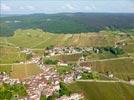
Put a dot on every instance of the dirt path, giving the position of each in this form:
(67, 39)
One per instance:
(106, 81)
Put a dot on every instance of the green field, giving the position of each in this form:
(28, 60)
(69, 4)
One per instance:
(121, 68)
(103, 91)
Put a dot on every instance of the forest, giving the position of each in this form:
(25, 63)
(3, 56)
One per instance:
(67, 22)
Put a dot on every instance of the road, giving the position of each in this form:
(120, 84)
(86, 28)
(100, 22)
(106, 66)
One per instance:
(12, 64)
(110, 59)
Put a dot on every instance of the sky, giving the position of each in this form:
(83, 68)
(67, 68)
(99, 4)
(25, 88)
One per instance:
(60, 6)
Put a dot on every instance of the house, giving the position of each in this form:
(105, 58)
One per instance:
(79, 77)
(131, 82)
(86, 69)
(111, 75)
(82, 59)
(62, 63)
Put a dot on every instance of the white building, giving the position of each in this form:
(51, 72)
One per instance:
(62, 64)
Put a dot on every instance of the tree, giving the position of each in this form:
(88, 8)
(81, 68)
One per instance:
(43, 97)
(49, 61)
(7, 92)
(64, 90)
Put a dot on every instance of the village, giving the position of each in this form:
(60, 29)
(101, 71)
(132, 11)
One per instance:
(48, 81)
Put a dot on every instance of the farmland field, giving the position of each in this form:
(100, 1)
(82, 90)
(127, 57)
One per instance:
(103, 91)
(121, 68)
(22, 71)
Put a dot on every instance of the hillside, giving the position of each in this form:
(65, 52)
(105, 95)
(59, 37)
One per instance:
(39, 39)
(18, 64)
(67, 22)
(104, 91)
(121, 68)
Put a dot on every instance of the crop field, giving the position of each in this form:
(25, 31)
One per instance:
(22, 71)
(11, 55)
(121, 68)
(39, 39)
(104, 91)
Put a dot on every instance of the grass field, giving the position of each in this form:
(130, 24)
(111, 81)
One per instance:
(24, 70)
(11, 55)
(104, 91)
(121, 68)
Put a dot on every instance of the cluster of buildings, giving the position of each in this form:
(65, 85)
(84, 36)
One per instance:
(76, 74)
(4, 77)
(60, 50)
(45, 83)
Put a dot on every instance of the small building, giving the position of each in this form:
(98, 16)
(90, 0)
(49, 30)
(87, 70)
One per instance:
(131, 82)
(86, 69)
(111, 75)
(82, 59)
(62, 63)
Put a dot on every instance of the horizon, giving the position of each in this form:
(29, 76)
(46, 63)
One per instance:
(66, 6)
(73, 13)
